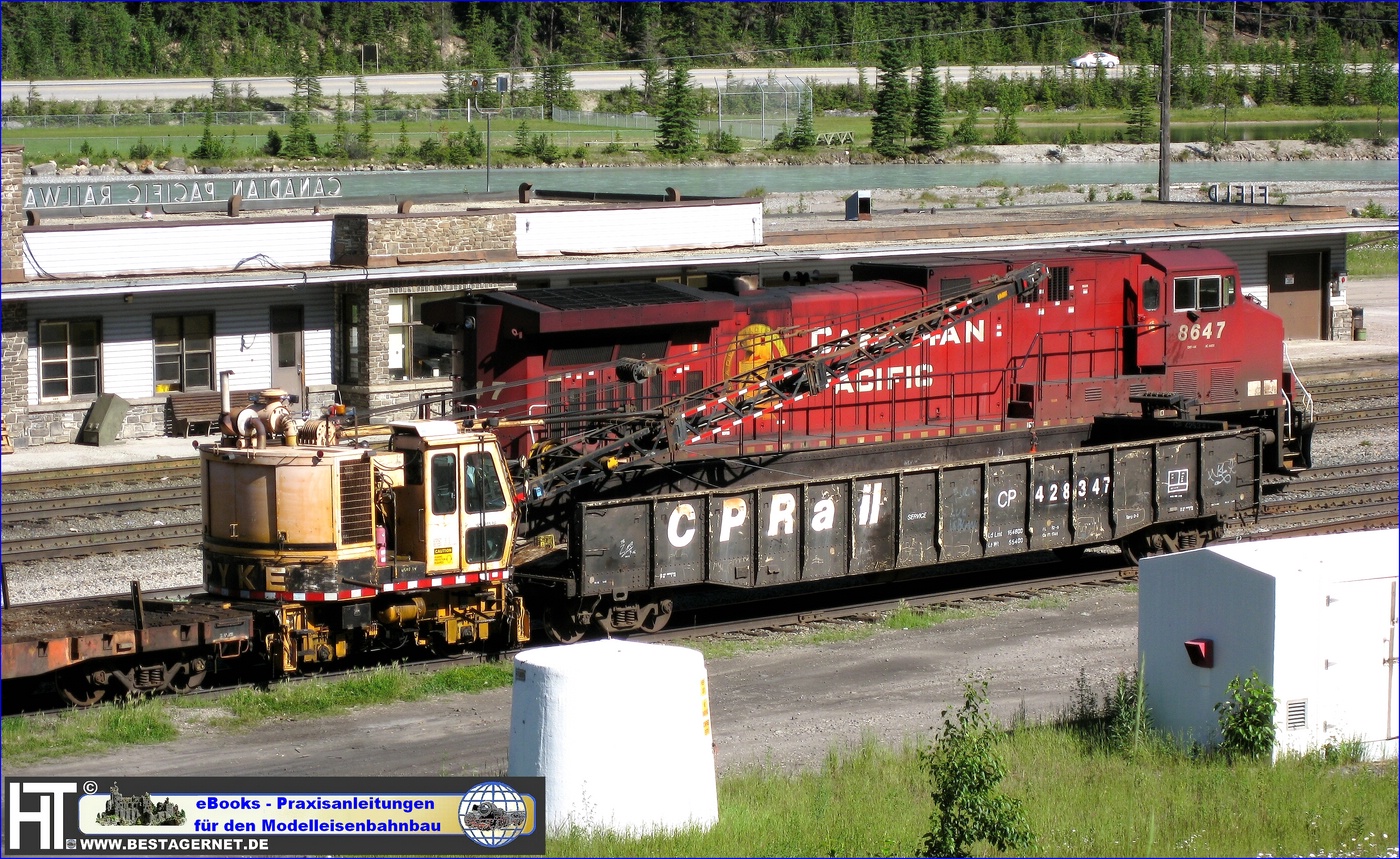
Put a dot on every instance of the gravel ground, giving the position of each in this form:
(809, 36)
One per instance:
(788, 210)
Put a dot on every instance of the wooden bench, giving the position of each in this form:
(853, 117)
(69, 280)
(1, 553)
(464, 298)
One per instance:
(201, 407)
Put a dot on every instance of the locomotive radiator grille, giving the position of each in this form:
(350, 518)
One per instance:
(1222, 383)
(356, 503)
(1184, 382)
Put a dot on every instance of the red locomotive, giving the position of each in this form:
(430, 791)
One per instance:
(1106, 334)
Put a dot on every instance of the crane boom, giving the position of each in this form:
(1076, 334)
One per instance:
(638, 437)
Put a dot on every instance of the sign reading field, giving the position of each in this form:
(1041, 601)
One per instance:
(170, 191)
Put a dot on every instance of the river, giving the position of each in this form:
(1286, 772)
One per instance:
(93, 194)
(728, 181)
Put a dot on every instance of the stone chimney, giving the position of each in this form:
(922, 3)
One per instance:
(12, 209)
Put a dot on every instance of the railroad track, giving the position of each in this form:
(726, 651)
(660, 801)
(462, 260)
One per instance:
(1357, 418)
(101, 542)
(1348, 390)
(975, 582)
(98, 475)
(99, 503)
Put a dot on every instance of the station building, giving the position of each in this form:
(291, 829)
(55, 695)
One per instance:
(325, 301)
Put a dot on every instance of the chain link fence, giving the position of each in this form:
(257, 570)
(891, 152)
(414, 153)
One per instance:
(254, 117)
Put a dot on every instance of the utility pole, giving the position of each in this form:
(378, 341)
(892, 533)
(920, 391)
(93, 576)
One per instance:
(1164, 146)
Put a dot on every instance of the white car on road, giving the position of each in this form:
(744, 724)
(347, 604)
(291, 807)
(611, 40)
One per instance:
(1094, 58)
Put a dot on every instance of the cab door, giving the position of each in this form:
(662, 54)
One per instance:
(443, 514)
(1149, 321)
(487, 509)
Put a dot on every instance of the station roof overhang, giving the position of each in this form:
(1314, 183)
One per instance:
(853, 246)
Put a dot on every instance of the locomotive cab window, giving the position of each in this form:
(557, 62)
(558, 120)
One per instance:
(1151, 294)
(1204, 293)
(443, 471)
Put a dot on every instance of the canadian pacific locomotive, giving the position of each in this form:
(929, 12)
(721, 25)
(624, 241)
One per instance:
(1011, 412)
(624, 444)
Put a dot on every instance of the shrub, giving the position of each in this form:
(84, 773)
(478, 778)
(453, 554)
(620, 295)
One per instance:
(723, 142)
(1372, 209)
(1329, 133)
(965, 771)
(141, 150)
(966, 133)
(615, 147)
(1247, 718)
(1077, 137)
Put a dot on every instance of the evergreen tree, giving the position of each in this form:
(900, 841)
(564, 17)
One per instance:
(1141, 102)
(929, 108)
(306, 93)
(401, 149)
(676, 129)
(651, 82)
(364, 141)
(889, 127)
(554, 85)
(340, 144)
(1007, 132)
(209, 145)
(804, 134)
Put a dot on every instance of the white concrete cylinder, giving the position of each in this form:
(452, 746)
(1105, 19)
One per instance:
(621, 733)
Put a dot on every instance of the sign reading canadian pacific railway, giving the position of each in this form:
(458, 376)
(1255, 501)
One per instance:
(160, 191)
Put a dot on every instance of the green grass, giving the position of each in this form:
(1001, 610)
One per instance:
(27, 739)
(868, 802)
(1372, 255)
(874, 801)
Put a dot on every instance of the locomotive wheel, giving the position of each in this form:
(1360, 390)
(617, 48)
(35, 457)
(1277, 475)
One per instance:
(81, 689)
(657, 622)
(561, 625)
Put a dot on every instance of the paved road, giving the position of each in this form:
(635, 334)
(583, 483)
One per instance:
(427, 84)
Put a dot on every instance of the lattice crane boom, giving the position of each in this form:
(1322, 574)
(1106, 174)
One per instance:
(639, 437)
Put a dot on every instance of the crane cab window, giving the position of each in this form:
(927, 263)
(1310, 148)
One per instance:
(483, 484)
(443, 471)
(1203, 293)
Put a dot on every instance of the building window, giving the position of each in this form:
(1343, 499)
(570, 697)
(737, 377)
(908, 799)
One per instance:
(350, 346)
(416, 351)
(69, 359)
(184, 353)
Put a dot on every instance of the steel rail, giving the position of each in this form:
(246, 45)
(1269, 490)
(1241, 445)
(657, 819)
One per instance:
(100, 503)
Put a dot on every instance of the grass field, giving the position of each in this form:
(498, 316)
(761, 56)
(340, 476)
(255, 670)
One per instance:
(1372, 256)
(874, 801)
(65, 145)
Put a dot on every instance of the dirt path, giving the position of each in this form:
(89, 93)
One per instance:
(785, 707)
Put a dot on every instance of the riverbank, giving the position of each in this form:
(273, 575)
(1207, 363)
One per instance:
(1030, 154)
(787, 210)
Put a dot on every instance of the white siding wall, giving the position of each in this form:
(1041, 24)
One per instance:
(619, 230)
(241, 339)
(146, 248)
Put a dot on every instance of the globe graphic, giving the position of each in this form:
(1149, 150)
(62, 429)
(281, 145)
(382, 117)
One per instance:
(492, 814)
